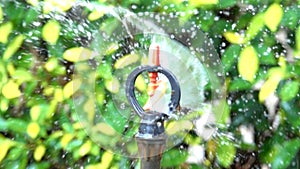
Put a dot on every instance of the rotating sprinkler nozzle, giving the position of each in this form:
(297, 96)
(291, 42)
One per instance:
(151, 137)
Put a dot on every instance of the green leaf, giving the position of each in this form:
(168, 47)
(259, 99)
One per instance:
(248, 63)
(1, 14)
(265, 54)
(13, 47)
(173, 158)
(291, 111)
(115, 119)
(289, 90)
(5, 30)
(22, 75)
(255, 25)
(225, 152)
(239, 85)
(17, 125)
(40, 165)
(226, 3)
(105, 71)
(51, 32)
(298, 38)
(244, 21)
(15, 153)
(286, 154)
(230, 56)
(273, 16)
(291, 17)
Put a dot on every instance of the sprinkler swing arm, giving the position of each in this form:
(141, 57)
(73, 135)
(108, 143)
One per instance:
(151, 137)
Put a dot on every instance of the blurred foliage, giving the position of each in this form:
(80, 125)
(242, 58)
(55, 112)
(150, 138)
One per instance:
(258, 42)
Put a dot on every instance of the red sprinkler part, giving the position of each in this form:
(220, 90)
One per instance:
(154, 75)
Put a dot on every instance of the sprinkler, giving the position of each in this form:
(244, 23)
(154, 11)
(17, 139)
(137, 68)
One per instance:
(151, 136)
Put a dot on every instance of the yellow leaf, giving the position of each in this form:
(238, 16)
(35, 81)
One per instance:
(33, 2)
(3, 74)
(126, 60)
(5, 30)
(39, 152)
(51, 32)
(140, 83)
(274, 76)
(52, 108)
(5, 146)
(51, 64)
(11, 68)
(77, 54)
(105, 129)
(35, 112)
(13, 47)
(85, 148)
(93, 166)
(276, 71)
(48, 90)
(177, 126)
(71, 87)
(282, 62)
(66, 138)
(197, 3)
(11, 90)
(77, 126)
(106, 159)
(64, 5)
(4, 104)
(248, 63)
(100, 96)
(59, 95)
(273, 16)
(268, 88)
(96, 14)
(33, 129)
(112, 85)
(234, 37)
(89, 108)
(50, 5)
(112, 48)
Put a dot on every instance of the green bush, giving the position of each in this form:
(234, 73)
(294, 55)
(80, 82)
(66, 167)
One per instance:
(259, 45)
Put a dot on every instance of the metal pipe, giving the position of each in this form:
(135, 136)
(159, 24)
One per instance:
(151, 140)
(150, 151)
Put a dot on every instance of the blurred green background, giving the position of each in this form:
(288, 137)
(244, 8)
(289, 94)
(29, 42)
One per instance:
(257, 41)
